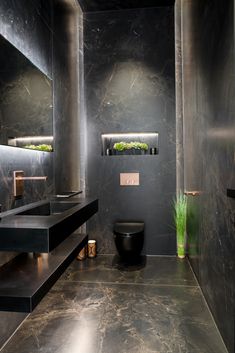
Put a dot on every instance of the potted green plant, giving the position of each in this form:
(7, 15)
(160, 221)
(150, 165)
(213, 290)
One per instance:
(133, 147)
(120, 146)
(180, 214)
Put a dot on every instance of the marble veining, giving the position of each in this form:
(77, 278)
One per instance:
(130, 87)
(27, 25)
(24, 28)
(120, 317)
(25, 98)
(33, 163)
(68, 91)
(158, 270)
(209, 125)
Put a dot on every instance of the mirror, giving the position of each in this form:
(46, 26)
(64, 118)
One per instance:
(26, 115)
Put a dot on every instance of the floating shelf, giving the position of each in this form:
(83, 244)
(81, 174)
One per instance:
(26, 279)
(148, 138)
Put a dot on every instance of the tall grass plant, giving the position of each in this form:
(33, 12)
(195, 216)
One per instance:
(180, 214)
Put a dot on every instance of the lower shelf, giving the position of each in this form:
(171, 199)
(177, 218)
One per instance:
(26, 279)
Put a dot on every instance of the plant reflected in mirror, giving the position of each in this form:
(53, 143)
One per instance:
(43, 147)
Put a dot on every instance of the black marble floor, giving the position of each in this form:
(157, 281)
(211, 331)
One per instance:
(96, 308)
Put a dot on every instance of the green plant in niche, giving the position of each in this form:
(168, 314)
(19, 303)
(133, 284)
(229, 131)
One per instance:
(120, 146)
(180, 215)
(139, 146)
(43, 147)
(123, 146)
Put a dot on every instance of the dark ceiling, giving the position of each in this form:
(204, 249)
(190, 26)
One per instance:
(110, 5)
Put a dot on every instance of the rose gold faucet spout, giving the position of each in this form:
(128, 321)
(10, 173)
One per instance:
(18, 182)
(32, 178)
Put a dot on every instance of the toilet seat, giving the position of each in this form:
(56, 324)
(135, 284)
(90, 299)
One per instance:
(128, 228)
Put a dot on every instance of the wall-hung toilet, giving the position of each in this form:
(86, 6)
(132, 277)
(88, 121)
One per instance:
(129, 239)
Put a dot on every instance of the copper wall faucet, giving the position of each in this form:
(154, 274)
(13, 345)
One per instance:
(18, 181)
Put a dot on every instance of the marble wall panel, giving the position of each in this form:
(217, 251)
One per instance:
(24, 28)
(26, 106)
(67, 78)
(24, 25)
(32, 26)
(209, 127)
(129, 86)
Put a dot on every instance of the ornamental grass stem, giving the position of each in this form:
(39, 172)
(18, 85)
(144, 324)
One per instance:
(180, 214)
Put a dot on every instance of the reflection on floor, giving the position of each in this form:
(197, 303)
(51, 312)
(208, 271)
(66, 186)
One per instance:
(97, 308)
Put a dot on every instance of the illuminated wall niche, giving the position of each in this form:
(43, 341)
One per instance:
(130, 143)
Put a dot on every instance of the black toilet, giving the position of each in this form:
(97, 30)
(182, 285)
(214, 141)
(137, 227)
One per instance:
(129, 239)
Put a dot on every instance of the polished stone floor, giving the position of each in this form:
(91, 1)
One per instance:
(98, 307)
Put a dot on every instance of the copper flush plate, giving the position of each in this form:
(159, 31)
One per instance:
(129, 179)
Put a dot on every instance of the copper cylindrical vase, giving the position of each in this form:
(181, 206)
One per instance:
(82, 254)
(91, 248)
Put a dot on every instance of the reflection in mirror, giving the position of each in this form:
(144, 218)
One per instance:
(25, 102)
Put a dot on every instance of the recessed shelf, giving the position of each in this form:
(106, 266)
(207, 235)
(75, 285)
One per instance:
(37, 143)
(130, 143)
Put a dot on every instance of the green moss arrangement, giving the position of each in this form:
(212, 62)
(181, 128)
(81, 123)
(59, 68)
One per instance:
(120, 146)
(180, 215)
(124, 146)
(43, 147)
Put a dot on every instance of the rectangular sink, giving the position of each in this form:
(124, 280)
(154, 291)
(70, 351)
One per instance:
(41, 226)
(50, 208)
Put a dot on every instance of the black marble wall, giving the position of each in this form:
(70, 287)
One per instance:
(129, 87)
(25, 98)
(26, 26)
(209, 145)
(68, 90)
(29, 26)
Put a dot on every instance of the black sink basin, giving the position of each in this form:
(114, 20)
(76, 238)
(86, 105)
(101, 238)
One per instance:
(41, 226)
(50, 208)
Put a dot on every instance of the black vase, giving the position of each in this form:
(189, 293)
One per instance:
(153, 150)
(109, 152)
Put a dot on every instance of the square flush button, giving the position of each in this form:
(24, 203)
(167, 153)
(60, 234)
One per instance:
(129, 179)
